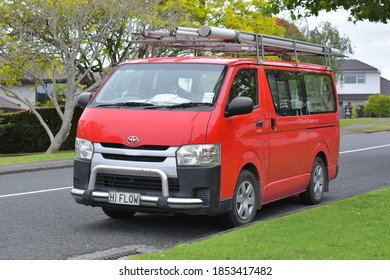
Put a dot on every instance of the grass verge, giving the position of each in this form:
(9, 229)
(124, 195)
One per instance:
(356, 121)
(356, 228)
(371, 128)
(26, 158)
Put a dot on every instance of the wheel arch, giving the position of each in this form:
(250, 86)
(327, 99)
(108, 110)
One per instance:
(249, 161)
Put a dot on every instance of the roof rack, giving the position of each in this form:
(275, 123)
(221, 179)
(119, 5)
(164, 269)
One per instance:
(230, 41)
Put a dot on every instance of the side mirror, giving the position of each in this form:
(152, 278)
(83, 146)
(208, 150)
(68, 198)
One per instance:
(240, 105)
(84, 99)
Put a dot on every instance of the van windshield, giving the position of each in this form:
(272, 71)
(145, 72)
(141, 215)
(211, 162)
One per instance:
(162, 85)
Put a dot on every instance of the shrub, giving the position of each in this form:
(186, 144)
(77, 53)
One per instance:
(3, 123)
(24, 134)
(378, 105)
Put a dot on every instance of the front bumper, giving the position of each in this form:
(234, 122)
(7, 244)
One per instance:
(145, 200)
(164, 201)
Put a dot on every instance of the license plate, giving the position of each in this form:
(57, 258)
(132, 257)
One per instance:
(124, 198)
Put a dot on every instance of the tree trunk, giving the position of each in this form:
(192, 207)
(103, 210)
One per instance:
(63, 133)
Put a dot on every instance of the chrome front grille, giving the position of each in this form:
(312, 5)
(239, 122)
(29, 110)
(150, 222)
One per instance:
(161, 158)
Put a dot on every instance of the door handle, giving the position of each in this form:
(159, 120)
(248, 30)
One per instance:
(259, 123)
(273, 123)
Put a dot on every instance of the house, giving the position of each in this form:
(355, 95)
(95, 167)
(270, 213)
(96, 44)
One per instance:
(27, 90)
(360, 80)
(385, 86)
(8, 106)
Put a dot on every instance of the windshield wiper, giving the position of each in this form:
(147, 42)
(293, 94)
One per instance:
(181, 105)
(126, 104)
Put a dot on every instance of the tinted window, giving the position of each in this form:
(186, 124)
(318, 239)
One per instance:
(320, 93)
(300, 93)
(287, 92)
(245, 84)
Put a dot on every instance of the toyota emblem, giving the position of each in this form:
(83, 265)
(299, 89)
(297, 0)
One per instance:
(132, 140)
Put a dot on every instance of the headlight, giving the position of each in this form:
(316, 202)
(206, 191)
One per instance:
(83, 149)
(205, 155)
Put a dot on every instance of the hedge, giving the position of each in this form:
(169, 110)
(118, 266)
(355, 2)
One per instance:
(21, 132)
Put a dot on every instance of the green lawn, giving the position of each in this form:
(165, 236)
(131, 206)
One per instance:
(357, 228)
(25, 158)
(371, 128)
(349, 122)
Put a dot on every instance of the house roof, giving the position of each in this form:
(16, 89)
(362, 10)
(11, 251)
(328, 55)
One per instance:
(356, 65)
(385, 86)
(8, 105)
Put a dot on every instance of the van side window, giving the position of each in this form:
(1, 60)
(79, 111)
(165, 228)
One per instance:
(301, 93)
(320, 93)
(245, 84)
(287, 92)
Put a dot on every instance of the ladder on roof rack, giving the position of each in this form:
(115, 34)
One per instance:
(229, 41)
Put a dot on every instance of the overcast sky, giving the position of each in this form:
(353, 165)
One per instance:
(370, 41)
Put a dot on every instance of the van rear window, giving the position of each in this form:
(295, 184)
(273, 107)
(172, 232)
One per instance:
(301, 93)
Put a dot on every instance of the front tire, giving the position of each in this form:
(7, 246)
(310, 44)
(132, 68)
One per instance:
(318, 183)
(245, 201)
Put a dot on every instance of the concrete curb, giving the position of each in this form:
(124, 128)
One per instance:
(35, 166)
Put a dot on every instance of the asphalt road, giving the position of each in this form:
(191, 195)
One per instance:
(40, 220)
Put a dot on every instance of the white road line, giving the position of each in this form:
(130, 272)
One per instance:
(66, 188)
(365, 149)
(34, 192)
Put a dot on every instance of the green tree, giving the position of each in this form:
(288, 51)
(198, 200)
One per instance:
(80, 41)
(372, 10)
(325, 33)
(240, 15)
(379, 105)
(291, 31)
(76, 41)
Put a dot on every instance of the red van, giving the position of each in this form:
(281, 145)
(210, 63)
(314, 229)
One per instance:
(207, 136)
